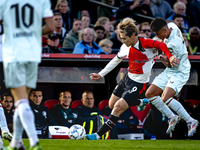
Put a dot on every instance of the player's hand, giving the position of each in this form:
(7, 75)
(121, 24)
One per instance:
(174, 61)
(95, 76)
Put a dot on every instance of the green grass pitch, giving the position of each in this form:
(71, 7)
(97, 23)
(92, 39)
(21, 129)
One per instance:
(55, 144)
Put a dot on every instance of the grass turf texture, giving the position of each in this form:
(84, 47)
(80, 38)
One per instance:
(55, 144)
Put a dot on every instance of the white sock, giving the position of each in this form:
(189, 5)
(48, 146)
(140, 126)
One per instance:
(27, 120)
(178, 108)
(160, 105)
(3, 123)
(141, 102)
(17, 130)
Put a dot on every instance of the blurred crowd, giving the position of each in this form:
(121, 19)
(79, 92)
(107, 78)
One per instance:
(84, 27)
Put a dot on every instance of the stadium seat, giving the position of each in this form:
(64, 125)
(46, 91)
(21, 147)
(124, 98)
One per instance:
(193, 102)
(103, 104)
(142, 115)
(51, 103)
(76, 103)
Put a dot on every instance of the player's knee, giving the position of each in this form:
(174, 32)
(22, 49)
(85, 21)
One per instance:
(149, 95)
(120, 106)
(111, 106)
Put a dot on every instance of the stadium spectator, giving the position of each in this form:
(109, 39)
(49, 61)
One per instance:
(161, 8)
(8, 106)
(179, 20)
(63, 113)
(53, 44)
(89, 113)
(180, 8)
(87, 109)
(106, 45)
(187, 43)
(86, 21)
(87, 44)
(43, 117)
(104, 22)
(144, 27)
(84, 12)
(115, 38)
(194, 40)
(59, 30)
(67, 17)
(110, 13)
(136, 6)
(100, 33)
(72, 38)
(194, 12)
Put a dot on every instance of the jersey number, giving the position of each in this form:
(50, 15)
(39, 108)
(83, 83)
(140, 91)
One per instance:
(23, 11)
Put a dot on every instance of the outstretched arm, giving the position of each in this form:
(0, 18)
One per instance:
(110, 66)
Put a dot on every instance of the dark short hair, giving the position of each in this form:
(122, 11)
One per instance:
(99, 28)
(6, 94)
(157, 24)
(57, 14)
(53, 36)
(178, 16)
(60, 94)
(36, 89)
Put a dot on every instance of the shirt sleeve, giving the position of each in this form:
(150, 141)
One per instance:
(1, 10)
(110, 66)
(47, 12)
(115, 61)
(163, 47)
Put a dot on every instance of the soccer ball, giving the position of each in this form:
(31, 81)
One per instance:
(77, 132)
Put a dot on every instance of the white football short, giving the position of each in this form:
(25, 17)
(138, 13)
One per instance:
(175, 81)
(18, 74)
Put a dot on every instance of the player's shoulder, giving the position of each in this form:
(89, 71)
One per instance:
(124, 46)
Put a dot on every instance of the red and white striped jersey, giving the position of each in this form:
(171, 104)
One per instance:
(140, 56)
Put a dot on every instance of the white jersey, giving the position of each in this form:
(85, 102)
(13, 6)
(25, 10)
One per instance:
(1, 44)
(176, 46)
(22, 21)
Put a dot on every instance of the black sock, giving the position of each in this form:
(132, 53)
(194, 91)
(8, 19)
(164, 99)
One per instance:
(108, 125)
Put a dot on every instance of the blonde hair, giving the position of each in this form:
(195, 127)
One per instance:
(143, 24)
(61, 1)
(101, 21)
(105, 42)
(127, 25)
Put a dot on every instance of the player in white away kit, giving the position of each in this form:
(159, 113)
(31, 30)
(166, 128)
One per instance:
(171, 80)
(5, 133)
(22, 22)
(132, 87)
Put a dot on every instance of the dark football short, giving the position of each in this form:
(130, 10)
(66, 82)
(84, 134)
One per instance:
(130, 90)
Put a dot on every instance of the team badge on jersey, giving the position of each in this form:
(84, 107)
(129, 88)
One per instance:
(171, 50)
